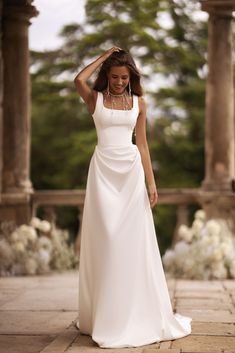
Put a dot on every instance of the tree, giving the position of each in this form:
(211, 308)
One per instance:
(169, 46)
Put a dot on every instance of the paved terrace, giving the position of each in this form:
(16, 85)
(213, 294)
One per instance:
(37, 314)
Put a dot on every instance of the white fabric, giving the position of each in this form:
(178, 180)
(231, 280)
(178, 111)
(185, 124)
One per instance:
(123, 294)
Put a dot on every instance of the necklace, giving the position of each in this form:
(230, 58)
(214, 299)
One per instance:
(125, 104)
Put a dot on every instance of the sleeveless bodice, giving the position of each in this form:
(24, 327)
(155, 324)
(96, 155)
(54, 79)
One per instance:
(114, 127)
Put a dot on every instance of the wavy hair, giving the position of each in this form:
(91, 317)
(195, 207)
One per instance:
(120, 58)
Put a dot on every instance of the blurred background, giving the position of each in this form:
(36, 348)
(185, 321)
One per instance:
(168, 40)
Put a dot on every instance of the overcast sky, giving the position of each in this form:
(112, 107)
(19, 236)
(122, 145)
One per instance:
(54, 14)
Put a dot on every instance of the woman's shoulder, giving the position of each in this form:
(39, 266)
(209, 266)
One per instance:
(141, 102)
(97, 93)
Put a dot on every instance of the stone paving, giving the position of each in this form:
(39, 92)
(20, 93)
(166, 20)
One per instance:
(37, 314)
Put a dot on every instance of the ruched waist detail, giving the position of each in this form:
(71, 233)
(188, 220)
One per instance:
(117, 154)
(122, 148)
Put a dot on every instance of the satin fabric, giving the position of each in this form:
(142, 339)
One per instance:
(123, 294)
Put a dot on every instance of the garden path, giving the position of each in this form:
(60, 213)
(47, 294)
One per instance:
(36, 315)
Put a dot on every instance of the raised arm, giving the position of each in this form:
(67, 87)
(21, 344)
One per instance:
(82, 77)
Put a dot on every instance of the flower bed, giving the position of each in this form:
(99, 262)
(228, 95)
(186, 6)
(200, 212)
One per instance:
(206, 250)
(36, 248)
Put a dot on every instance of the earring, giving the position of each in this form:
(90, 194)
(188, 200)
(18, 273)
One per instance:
(129, 88)
(108, 93)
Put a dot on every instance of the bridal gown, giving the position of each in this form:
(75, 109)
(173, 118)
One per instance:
(123, 294)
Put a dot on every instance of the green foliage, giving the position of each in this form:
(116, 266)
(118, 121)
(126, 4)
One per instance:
(164, 229)
(171, 48)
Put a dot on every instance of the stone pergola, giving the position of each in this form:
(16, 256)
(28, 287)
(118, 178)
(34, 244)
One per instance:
(17, 197)
(15, 185)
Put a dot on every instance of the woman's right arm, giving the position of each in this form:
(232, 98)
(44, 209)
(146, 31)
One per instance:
(82, 77)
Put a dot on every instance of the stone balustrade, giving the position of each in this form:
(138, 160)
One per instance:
(181, 197)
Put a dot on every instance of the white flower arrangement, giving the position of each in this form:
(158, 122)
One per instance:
(204, 251)
(34, 249)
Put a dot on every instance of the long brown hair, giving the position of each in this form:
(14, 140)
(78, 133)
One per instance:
(120, 58)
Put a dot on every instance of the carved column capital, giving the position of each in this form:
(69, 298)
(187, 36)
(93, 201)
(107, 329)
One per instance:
(19, 11)
(220, 8)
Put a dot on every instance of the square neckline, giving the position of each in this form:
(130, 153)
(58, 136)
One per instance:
(118, 110)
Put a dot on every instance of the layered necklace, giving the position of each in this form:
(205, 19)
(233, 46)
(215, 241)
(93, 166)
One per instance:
(115, 100)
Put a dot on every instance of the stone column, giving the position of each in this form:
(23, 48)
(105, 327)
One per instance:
(219, 134)
(1, 103)
(16, 107)
(16, 142)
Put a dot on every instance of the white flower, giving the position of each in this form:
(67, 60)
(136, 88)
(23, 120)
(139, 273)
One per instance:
(218, 270)
(217, 254)
(205, 240)
(200, 215)
(31, 266)
(23, 251)
(25, 233)
(32, 235)
(213, 227)
(19, 247)
(227, 249)
(14, 236)
(204, 251)
(45, 226)
(181, 247)
(44, 243)
(6, 253)
(185, 233)
(168, 257)
(43, 260)
(188, 264)
(182, 230)
(35, 222)
(44, 256)
(197, 227)
(214, 239)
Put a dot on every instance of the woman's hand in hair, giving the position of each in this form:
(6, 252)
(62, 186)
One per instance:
(110, 51)
(83, 89)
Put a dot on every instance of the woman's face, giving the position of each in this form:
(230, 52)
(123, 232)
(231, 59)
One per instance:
(118, 77)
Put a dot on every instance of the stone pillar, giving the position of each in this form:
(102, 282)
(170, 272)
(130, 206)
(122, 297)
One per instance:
(219, 134)
(16, 106)
(1, 102)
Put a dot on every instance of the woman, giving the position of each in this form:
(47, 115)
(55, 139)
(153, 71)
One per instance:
(123, 294)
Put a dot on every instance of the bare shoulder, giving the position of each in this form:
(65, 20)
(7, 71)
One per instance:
(142, 104)
(92, 101)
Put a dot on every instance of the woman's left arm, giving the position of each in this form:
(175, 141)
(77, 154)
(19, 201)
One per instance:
(142, 144)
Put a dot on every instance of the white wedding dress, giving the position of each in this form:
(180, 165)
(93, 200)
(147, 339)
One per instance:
(123, 294)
